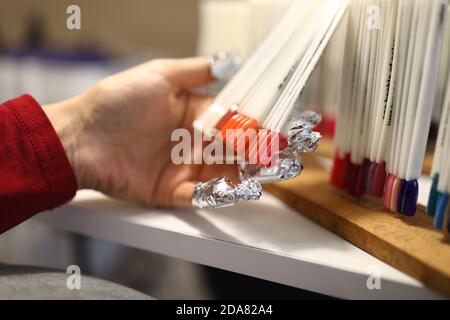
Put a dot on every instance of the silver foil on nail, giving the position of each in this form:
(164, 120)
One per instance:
(249, 189)
(224, 65)
(221, 192)
(310, 118)
(287, 165)
(301, 137)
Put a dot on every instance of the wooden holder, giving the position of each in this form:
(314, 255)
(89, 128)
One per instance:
(410, 244)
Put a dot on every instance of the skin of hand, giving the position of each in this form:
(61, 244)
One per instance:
(117, 134)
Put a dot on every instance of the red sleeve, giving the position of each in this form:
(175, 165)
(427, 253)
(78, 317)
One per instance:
(35, 174)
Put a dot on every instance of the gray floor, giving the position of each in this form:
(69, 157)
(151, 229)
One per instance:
(32, 283)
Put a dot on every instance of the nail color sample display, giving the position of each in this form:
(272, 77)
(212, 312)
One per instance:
(438, 201)
(394, 65)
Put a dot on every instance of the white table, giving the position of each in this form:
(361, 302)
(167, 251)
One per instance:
(263, 239)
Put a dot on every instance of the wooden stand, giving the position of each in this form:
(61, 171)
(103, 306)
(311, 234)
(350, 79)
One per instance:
(410, 244)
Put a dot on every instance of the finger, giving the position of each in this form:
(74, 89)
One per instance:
(186, 73)
(224, 65)
(221, 192)
(212, 171)
(197, 103)
(182, 195)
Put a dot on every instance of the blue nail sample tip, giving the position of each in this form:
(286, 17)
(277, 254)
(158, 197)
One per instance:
(431, 206)
(446, 227)
(441, 207)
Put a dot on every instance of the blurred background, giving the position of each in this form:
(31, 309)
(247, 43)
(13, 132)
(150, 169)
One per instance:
(41, 56)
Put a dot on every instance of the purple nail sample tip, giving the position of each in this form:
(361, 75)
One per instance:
(401, 194)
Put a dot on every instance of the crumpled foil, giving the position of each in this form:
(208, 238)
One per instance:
(308, 117)
(224, 65)
(301, 137)
(221, 192)
(288, 163)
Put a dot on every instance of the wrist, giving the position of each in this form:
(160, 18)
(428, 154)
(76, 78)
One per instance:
(67, 121)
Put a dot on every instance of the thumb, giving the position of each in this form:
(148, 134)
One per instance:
(186, 73)
(182, 195)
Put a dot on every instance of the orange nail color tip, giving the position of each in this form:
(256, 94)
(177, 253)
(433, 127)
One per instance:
(241, 134)
(229, 125)
(235, 129)
(232, 112)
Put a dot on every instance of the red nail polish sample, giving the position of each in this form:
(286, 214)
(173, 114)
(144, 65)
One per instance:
(345, 169)
(359, 182)
(337, 171)
(388, 190)
(395, 191)
(366, 167)
(350, 177)
(370, 176)
(379, 179)
(340, 171)
(355, 179)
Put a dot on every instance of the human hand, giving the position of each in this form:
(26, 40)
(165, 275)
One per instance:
(117, 134)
